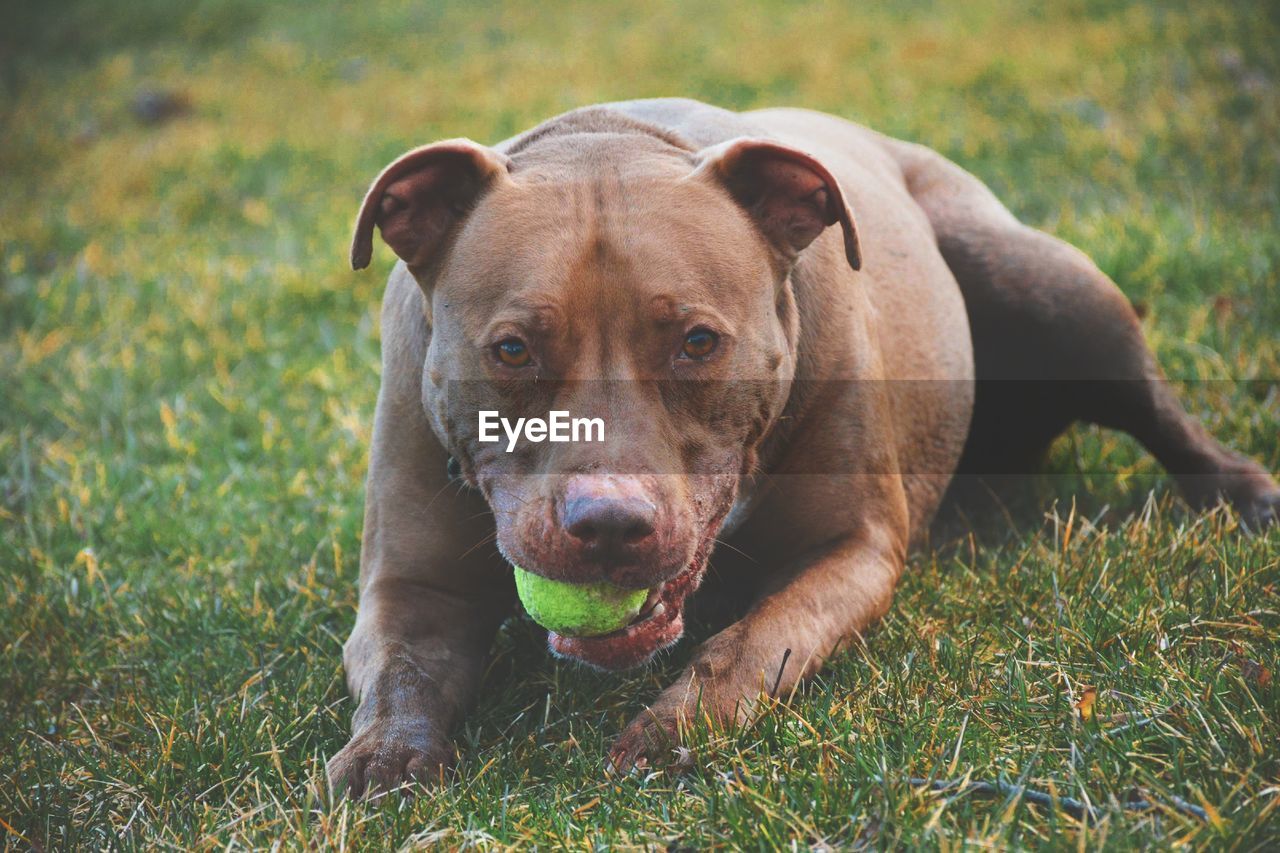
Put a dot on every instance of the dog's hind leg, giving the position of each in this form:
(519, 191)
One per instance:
(1055, 341)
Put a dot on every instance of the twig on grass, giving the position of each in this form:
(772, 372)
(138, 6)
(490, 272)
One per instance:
(1139, 723)
(786, 655)
(1070, 805)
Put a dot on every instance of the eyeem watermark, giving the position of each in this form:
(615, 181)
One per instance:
(557, 427)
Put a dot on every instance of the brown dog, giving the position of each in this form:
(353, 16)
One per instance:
(804, 392)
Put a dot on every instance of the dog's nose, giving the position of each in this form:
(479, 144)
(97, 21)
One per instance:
(608, 523)
(611, 518)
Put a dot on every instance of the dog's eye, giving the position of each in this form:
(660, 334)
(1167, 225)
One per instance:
(512, 352)
(699, 344)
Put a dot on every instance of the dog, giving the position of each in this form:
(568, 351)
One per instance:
(797, 332)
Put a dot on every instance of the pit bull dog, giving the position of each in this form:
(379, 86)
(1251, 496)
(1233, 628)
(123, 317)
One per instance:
(797, 332)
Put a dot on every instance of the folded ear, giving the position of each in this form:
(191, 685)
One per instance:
(791, 196)
(418, 199)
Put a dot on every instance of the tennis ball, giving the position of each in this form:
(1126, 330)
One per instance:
(577, 609)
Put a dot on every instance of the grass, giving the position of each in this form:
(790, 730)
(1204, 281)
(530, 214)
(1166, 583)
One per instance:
(188, 370)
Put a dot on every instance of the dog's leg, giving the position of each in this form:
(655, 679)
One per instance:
(432, 594)
(413, 662)
(784, 638)
(1055, 341)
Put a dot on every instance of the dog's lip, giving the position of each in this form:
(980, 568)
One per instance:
(658, 625)
(654, 629)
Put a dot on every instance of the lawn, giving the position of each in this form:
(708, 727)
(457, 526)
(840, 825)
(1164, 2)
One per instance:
(188, 370)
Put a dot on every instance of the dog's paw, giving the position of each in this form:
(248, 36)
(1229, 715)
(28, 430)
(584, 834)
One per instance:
(386, 758)
(1256, 496)
(651, 740)
(1244, 484)
(1263, 511)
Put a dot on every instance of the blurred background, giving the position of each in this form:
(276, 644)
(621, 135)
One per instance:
(188, 366)
(180, 179)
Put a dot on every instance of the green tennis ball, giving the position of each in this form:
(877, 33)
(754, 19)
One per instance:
(578, 609)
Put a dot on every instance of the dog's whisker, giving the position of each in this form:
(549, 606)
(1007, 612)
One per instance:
(489, 538)
(718, 541)
(438, 493)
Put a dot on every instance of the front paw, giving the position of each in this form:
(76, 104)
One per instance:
(1263, 511)
(1244, 484)
(385, 757)
(651, 740)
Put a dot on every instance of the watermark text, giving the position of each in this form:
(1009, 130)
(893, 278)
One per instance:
(557, 427)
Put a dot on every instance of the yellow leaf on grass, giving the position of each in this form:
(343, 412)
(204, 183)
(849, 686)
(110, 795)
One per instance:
(1084, 707)
(89, 560)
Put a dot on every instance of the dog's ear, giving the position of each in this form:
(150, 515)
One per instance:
(791, 196)
(418, 199)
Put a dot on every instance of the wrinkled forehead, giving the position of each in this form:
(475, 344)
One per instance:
(610, 237)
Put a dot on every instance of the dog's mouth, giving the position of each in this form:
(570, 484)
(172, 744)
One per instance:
(659, 624)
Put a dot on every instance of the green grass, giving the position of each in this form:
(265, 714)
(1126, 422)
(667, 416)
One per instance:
(188, 370)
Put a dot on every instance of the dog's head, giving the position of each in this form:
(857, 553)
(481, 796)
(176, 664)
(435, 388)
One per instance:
(621, 277)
